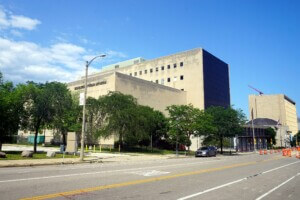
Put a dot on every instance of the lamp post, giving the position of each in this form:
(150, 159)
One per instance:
(84, 101)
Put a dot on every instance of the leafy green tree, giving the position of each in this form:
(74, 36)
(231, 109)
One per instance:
(45, 105)
(10, 110)
(227, 122)
(121, 116)
(67, 111)
(96, 116)
(271, 136)
(185, 121)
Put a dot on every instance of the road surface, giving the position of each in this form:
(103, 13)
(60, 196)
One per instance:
(223, 177)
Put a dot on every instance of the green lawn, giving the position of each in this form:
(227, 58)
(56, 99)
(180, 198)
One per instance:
(16, 155)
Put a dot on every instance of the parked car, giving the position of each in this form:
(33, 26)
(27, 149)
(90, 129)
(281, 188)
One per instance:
(206, 151)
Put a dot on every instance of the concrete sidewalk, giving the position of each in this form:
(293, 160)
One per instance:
(89, 158)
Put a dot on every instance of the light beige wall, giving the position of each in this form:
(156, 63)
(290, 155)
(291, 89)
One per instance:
(192, 71)
(148, 93)
(274, 107)
(97, 90)
(291, 116)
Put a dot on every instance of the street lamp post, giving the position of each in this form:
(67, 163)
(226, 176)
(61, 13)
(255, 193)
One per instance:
(84, 101)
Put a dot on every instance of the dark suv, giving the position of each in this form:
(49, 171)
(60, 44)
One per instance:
(206, 151)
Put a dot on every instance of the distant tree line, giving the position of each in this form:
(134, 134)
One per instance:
(37, 106)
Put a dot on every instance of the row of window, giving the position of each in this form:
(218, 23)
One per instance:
(162, 81)
(156, 69)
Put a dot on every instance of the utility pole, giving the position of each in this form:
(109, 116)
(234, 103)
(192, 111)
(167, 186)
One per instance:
(84, 103)
(253, 132)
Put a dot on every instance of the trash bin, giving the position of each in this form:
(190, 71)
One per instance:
(62, 148)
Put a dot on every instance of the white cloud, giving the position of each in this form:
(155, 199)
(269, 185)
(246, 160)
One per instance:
(8, 20)
(23, 22)
(63, 61)
(21, 61)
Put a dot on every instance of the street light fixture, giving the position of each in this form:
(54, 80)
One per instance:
(84, 101)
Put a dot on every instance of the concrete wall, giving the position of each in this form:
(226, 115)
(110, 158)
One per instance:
(275, 107)
(148, 93)
(192, 72)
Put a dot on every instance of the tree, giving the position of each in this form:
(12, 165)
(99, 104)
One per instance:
(10, 110)
(271, 135)
(96, 116)
(185, 121)
(121, 115)
(227, 123)
(66, 109)
(45, 105)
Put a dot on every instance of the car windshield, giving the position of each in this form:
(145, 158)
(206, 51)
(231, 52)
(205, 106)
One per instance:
(203, 148)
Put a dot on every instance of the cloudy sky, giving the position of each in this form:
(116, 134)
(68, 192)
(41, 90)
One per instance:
(24, 58)
(51, 39)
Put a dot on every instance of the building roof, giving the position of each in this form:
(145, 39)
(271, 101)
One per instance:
(263, 122)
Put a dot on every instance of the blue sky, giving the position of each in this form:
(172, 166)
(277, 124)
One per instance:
(50, 39)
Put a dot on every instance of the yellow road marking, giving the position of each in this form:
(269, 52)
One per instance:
(117, 185)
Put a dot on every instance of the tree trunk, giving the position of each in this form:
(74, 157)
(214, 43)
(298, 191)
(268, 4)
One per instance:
(64, 138)
(35, 140)
(221, 143)
(121, 140)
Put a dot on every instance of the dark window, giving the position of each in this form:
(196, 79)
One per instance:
(182, 89)
(135, 73)
(117, 66)
(181, 64)
(162, 67)
(181, 77)
(140, 72)
(151, 70)
(169, 79)
(145, 71)
(169, 66)
(130, 74)
(156, 69)
(175, 65)
(156, 81)
(216, 81)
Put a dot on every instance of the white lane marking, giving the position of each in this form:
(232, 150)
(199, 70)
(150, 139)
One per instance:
(149, 173)
(279, 167)
(101, 172)
(275, 188)
(211, 189)
(233, 182)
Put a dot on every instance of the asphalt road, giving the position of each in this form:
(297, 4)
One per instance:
(232, 177)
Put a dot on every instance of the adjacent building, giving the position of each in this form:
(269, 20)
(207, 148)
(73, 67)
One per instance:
(277, 107)
(192, 77)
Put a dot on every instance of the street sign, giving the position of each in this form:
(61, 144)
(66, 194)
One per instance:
(81, 99)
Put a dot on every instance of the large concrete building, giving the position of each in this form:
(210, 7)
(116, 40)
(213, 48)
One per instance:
(277, 107)
(192, 77)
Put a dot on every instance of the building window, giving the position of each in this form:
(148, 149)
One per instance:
(156, 69)
(169, 79)
(162, 67)
(175, 65)
(135, 73)
(156, 81)
(182, 89)
(140, 72)
(151, 70)
(169, 66)
(130, 74)
(181, 64)
(162, 81)
(181, 77)
(145, 71)
(117, 66)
